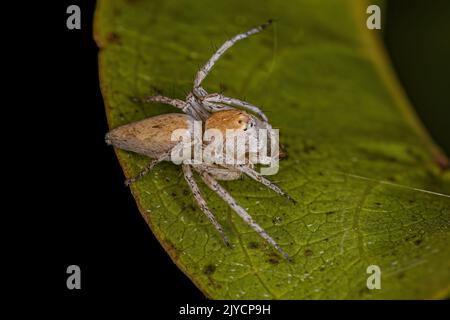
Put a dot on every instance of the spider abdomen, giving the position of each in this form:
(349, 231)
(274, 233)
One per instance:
(150, 136)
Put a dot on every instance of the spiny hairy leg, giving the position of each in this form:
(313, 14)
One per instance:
(203, 72)
(215, 107)
(187, 172)
(218, 98)
(162, 99)
(261, 179)
(216, 187)
(148, 167)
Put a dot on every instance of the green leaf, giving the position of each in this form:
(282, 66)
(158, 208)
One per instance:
(356, 150)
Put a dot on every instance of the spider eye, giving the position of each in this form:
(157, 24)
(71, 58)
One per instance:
(240, 121)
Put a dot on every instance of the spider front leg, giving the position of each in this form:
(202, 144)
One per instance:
(218, 98)
(177, 103)
(189, 177)
(215, 107)
(203, 72)
(217, 188)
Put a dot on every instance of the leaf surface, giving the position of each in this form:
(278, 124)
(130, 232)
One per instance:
(356, 150)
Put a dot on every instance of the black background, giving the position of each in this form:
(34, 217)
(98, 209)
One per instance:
(95, 223)
(76, 209)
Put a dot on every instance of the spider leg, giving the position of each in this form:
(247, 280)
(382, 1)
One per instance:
(214, 107)
(161, 99)
(187, 172)
(203, 72)
(147, 168)
(216, 187)
(261, 179)
(215, 97)
(200, 91)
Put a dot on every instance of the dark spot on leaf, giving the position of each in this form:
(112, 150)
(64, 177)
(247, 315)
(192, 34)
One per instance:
(377, 203)
(173, 194)
(228, 57)
(418, 242)
(401, 275)
(363, 291)
(214, 284)
(277, 220)
(113, 38)
(330, 212)
(273, 261)
(156, 89)
(308, 253)
(209, 269)
(223, 87)
(308, 148)
(253, 245)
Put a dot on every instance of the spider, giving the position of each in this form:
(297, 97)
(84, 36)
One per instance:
(152, 137)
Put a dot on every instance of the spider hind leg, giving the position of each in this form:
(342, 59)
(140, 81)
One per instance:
(226, 196)
(189, 177)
